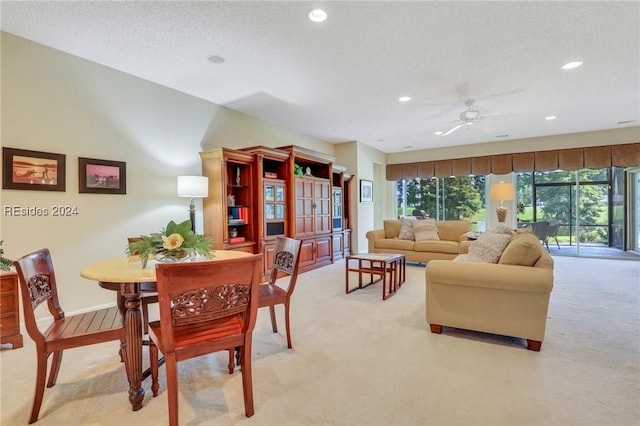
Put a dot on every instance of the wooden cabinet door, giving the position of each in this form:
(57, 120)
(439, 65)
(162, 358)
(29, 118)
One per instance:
(307, 255)
(324, 252)
(337, 246)
(268, 255)
(322, 206)
(347, 242)
(304, 207)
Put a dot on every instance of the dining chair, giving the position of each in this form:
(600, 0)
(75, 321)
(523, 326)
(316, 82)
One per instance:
(285, 264)
(38, 285)
(205, 307)
(145, 298)
(552, 232)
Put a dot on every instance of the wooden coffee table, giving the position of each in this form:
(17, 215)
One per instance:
(378, 264)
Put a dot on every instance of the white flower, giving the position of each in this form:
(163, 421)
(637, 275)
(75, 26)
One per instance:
(172, 242)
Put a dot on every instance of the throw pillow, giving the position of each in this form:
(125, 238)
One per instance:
(391, 228)
(425, 230)
(489, 246)
(524, 249)
(406, 229)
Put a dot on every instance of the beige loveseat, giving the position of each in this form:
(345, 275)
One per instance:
(509, 298)
(452, 241)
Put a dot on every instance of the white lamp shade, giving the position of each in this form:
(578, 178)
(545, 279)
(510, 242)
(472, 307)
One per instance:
(193, 186)
(502, 191)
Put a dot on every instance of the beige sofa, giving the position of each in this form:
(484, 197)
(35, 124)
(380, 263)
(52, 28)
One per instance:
(509, 298)
(452, 241)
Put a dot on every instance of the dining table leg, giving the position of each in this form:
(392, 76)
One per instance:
(133, 350)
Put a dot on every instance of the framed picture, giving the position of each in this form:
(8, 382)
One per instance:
(366, 191)
(32, 170)
(102, 176)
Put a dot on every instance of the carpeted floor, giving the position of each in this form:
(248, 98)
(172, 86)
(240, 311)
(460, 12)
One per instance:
(360, 361)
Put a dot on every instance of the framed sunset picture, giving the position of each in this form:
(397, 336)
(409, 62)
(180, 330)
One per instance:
(32, 170)
(102, 176)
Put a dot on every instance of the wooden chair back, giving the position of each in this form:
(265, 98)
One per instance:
(38, 285)
(286, 261)
(205, 307)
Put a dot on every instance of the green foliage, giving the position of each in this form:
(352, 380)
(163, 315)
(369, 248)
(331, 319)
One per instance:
(154, 244)
(5, 264)
(297, 170)
(461, 197)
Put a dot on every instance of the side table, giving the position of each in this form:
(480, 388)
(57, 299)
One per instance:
(9, 310)
(378, 264)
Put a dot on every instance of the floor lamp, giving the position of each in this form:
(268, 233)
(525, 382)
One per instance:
(193, 187)
(502, 191)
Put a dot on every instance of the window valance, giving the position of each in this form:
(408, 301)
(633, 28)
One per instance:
(595, 157)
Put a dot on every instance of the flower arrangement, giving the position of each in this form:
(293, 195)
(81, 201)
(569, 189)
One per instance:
(175, 242)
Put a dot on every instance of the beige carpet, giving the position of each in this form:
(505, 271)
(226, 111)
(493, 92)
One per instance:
(360, 361)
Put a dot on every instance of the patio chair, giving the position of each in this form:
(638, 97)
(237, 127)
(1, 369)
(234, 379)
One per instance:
(541, 229)
(552, 232)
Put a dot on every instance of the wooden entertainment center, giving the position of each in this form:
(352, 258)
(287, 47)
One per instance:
(255, 195)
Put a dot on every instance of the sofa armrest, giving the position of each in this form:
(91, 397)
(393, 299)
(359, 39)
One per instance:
(490, 275)
(372, 236)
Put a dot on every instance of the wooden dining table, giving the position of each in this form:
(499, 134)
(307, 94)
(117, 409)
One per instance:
(126, 275)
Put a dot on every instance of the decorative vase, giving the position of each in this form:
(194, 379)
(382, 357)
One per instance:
(168, 257)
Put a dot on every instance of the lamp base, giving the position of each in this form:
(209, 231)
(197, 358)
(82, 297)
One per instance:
(501, 211)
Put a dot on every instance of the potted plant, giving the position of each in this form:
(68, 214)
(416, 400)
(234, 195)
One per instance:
(5, 264)
(174, 243)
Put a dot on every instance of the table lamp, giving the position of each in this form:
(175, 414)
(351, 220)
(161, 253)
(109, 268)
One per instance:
(193, 187)
(502, 191)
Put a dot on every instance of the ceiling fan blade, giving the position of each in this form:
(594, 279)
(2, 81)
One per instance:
(487, 128)
(453, 129)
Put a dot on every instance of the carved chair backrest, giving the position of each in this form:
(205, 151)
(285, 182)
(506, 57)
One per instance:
(286, 261)
(37, 285)
(201, 292)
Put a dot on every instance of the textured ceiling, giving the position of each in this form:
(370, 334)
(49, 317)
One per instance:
(340, 80)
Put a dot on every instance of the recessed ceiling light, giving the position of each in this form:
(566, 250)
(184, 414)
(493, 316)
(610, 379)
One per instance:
(404, 98)
(318, 15)
(216, 59)
(550, 117)
(572, 65)
(439, 133)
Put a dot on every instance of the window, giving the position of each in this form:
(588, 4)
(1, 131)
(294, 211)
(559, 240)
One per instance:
(450, 198)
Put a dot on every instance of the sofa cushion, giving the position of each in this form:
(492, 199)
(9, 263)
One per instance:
(488, 247)
(394, 244)
(391, 228)
(406, 229)
(524, 249)
(436, 246)
(425, 230)
(452, 230)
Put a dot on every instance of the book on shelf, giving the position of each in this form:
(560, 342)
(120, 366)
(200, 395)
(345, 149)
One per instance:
(234, 240)
(236, 222)
(271, 175)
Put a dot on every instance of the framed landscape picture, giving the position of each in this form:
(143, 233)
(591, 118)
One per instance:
(102, 176)
(32, 170)
(366, 191)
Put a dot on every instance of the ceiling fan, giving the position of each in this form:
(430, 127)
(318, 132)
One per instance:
(467, 118)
